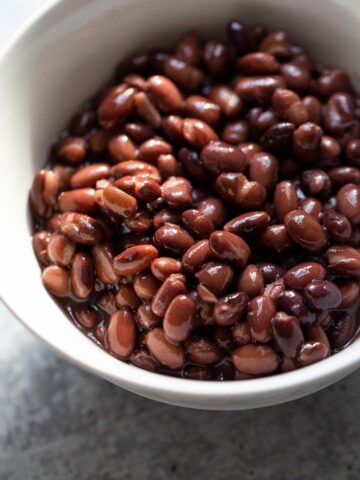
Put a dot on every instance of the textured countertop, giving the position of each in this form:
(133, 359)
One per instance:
(60, 423)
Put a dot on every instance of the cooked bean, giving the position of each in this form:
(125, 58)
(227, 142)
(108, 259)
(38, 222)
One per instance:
(134, 259)
(348, 202)
(216, 276)
(264, 169)
(251, 281)
(255, 359)
(289, 106)
(82, 275)
(303, 273)
(248, 223)
(61, 249)
(197, 223)
(230, 309)
(120, 335)
(196, 256)
(322, 294)
(305, 230)
(71, 149)
(126, 297)
(337, 226)
(147, 110)
(146, 285)
(312, 206)
(103, 256)
(258, 89)
(258, 63)
(260, 312)
(81, 200)
(142, 359)
(197, 132)
(202, 351)
(176, 191)
(344, 260)
(287, 333)
(342, 330)
(350, 291)
(292, 302)
(179, 318)
(116, 107)
(87, 316)
(81, 228)
(40, 243)
(174, 284)
(122, 148)
(229, 247)
(89, 175)
(169, 354)
(228, 101)
(276, 237)
(188, 48)
(311, 352)
(57, 280)
(214, 209)
(183, 74)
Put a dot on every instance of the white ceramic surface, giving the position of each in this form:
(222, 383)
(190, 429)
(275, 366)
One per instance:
(62, 56)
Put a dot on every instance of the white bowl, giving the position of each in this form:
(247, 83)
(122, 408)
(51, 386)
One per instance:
(61, 57)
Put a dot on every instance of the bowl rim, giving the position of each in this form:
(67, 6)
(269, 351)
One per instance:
(137, 379)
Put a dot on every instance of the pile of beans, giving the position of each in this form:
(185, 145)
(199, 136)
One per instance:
(200, 217)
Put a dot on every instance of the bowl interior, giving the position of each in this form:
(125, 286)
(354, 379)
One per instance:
(46, 74)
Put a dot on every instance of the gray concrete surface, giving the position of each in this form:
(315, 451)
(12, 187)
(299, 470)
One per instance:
(60, 423)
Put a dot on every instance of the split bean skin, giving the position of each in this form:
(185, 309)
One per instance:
(200, 216)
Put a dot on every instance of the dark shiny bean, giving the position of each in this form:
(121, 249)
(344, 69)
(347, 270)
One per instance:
(339, 113)
(287, 333)
(116, 107)
(229, 248)
(164, 92)
(196, 256)
(350, 291)
(227, 99)
(251, 281)
(344, 260)
(285, 198)
(343, 175)
(134, 259)
(292, 302)
(255, 359)
(276, 237)
(202, 351)
(348, 202)
(316, 183)
(183, 74)
(216, 276)
(146, 318)
(311, 352)
(278, 138)
(261, 310)
(220, 157)
(276, 43)
(197, 223)
(214, 209)
(264, 169)
(57, 280)
(289, 106)
(322, 295)
(304, 273)
(167, 353)
(231, 308)
(176, 191)
(337, 225)
(120, 336)
(179, 318)
(259, 89)
(81, 228)
(173, 239)
(248, 223)
(174, 284)
(305, 230)
(60, 249)
(341, 332)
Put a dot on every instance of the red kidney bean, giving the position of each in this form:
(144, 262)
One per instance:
(289, 106)
(57, 280)
(64, 173)
(60, 249)
(348, 202)
(339, 113)
(138, 132)
(274, 289)
(305, 230)
(312, 206)
(276, 43)
(241, 333)
(147, 110)
(146, 189)
(196, 256)
(258, 63)
(126, 297)
(296, 77)
(116, 106)
(150, 150)
(229, 247)
(337, 226)
(239, 36)
(330, 150)
(164, 92)
(332, 81)
(134, 259)
(313, 107)
(342, 175)
(261, 119)
(179, 318)
(264, 169)
(107, 303)
(183, 74)
(176, 191)
(285, 198)
(168, 166)
(43, 191)
(162, 267)
(287, 333)
(194, 372)
(223, 338)
(304, 273)
(247, 223)
(120, 335)
(197, 132)
(139, 224)
(81, 200)
(146, 285)
(87, 316)
(188, 48)
(316, 183)
(205, 294)
(271, 272)
(40, 243)
(166, 352)
(202, 351)
(82, 275)
(98, 141)
(353, 151)
(251, 281)
(81, 228)
(53, 224)
(322, 295)
(89, 175)
(236, 132)
(292, 302)
(306, 142)
(278, 137)
(197, 223)
(214, 209)
(231, 308)
(173, 239)
(258, 89)
(216, 58)
(311, 352)
(350, 291)
(228, 101)
(276, 237)
(174, 284)
(342, 330)
(103, 256)
(166, 216)
(260, 312)
(142, 359)
(122, 148)
(255, 359)
(200, 107)
(216, 276)
(146, 318)
(344, 260)
(220, 157)
(119, 202)
(83, 122)
(71, 149)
